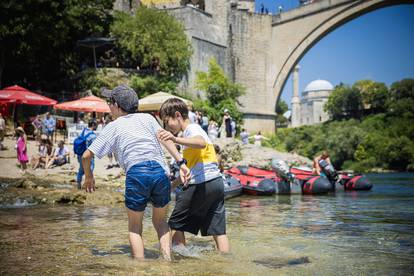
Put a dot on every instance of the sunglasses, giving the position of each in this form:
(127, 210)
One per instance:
(110, 101)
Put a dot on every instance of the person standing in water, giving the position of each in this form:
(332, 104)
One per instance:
(199, 205)
(133, 137)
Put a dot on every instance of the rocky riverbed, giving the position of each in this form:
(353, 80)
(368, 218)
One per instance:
(58, 185)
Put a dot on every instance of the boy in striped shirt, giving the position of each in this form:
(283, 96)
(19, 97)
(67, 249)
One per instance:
(200, 205)
(132, 138)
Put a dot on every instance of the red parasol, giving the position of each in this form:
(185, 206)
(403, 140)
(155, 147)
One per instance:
(86, 104)
(19, 95)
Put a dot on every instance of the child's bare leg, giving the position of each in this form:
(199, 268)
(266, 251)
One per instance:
(135, 233)
(23, 166)
(37, 163)
(33, 162)
(47, 161)
(51, 161)
(178, 238)
(222, 243)
(163, 231)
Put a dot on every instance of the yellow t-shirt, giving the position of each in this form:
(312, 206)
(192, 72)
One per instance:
(202, 163)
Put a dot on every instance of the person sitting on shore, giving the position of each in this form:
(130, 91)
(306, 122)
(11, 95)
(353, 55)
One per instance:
(133, 137)
(316, 167)
(21, 148)
(44, 153)
(60, 157)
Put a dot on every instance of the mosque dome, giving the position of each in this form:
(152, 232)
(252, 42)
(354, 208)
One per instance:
(319, 85)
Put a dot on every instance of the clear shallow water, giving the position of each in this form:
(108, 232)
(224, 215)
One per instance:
(347, 233)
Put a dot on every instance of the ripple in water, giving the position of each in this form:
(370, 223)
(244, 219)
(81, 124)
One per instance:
(19, 203)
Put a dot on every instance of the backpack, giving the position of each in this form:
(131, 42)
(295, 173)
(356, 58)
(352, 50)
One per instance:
(79, 144)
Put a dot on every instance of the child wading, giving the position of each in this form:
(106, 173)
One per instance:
(200, 205)
(132, 137)
(81, 143)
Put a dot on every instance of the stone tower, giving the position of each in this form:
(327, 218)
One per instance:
(296, 110)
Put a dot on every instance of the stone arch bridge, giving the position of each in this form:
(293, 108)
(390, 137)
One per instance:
(264, 49)
(257, 50)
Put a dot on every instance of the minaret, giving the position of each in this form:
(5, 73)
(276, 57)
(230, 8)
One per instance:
(295, 99)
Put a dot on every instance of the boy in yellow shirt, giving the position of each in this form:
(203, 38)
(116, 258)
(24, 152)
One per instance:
(200, 206)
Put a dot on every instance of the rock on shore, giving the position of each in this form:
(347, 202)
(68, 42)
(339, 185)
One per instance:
(234, 153)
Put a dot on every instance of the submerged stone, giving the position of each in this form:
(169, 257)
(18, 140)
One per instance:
(281, 262)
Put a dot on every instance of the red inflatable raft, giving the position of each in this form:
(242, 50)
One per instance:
(263, 182)
(348, 181)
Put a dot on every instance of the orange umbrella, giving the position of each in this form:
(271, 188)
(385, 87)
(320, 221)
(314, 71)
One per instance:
(86, 104)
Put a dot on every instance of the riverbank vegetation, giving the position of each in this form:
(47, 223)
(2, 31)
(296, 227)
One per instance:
(372, 128)
(220, 93)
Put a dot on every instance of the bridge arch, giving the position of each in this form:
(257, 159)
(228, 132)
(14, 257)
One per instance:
(332, 17)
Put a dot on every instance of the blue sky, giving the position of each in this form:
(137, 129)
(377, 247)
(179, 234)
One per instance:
(378, 46)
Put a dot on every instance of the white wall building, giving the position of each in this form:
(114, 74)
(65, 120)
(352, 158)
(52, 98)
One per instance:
(308, 110)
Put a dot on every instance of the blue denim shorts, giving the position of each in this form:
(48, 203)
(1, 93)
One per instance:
(147, 181)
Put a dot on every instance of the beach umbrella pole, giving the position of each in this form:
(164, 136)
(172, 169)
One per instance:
(94, 56)
(14, 115)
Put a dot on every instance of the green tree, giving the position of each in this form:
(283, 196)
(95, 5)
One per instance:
(38, 38)
(374, 95)
(281, 107)
(344, 102)
(401, 101)
(153, 40)
(221, 93)
(217, 85)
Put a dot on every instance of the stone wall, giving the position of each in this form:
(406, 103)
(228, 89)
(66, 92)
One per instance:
(128, 6)
(203, 51)
(207, 42)
(250, 43)
(219, 9)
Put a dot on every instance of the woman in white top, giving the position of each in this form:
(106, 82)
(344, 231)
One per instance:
(258, 139)
(212, 131)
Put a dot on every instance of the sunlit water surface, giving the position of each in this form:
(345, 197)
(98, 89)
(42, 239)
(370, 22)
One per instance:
(358, 233)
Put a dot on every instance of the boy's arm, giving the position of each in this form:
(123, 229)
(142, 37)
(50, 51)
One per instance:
(196, 142)
(184, 170)
(86, 164)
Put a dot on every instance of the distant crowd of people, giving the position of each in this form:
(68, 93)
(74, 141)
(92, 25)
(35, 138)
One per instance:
(226, 129)
(48, 154)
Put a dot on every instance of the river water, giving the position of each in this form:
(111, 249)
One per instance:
(358, 233)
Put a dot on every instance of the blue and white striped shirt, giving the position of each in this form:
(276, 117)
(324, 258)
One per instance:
(133, 139)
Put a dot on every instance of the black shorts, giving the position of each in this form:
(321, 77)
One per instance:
(200, 207)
